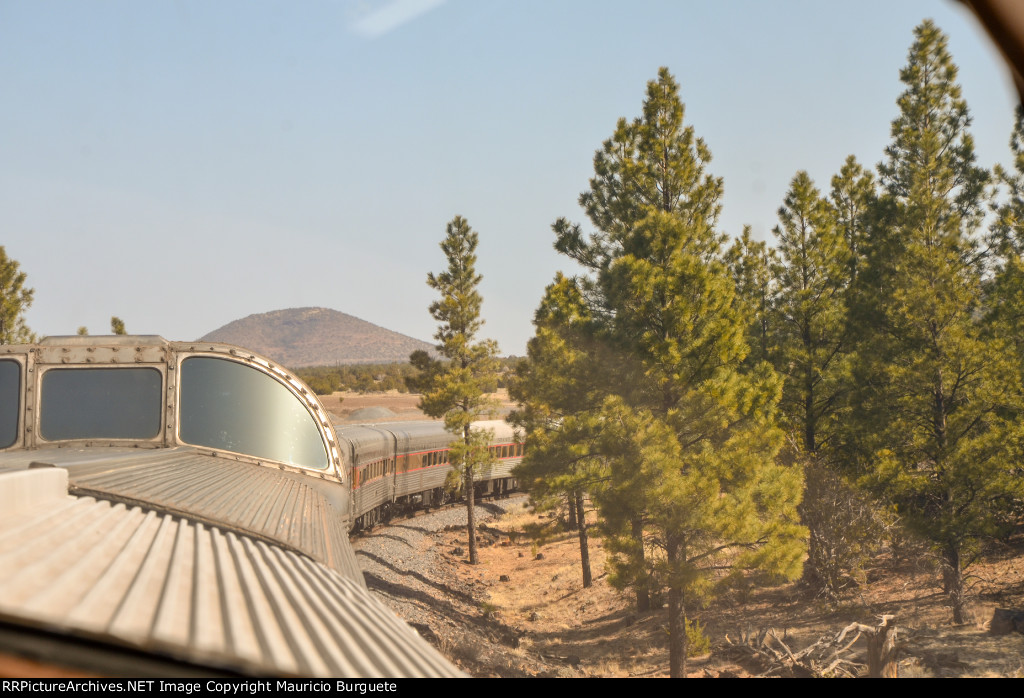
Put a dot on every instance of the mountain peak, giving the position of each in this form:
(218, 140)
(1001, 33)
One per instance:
(298, 337)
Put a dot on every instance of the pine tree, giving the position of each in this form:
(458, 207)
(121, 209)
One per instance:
(852, 198)
(939, 394)
(753, 266)
(809, 304)
(1006, 295)
(557, 387)
(812, 337)
(14, 301)
(694, 487)
(456, 387)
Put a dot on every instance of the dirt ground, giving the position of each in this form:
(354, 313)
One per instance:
(525, 612)
(597, 630)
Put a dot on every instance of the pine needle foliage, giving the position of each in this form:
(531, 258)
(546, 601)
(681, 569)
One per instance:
(812, 314)
(556, 387)
(939, 395)
(753, 266)
(15, 299)
(456, 386)
(1006, 294)
(693, 496)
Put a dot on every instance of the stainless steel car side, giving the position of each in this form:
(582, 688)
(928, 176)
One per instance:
(173, 507)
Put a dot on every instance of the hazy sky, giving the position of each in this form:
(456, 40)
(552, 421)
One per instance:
(184, 164)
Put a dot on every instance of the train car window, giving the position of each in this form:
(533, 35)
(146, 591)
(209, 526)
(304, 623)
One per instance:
(10, 401)
(234, 407)
(100, 403)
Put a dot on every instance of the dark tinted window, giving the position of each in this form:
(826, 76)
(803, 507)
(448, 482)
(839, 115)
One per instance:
(10, 402)
(237, 408)
(100, 403)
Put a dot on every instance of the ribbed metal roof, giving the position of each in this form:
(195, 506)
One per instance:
(369, 444)
(170, 585)
(298, 511)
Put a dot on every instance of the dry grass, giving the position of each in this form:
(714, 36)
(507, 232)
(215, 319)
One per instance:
(342, 404)
(561, 621)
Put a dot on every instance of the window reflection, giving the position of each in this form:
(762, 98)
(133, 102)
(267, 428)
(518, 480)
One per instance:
(100, 403)
(10, 402)
(233, 407)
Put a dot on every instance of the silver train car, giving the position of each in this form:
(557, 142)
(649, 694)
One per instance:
(398, 467)
(183, 508)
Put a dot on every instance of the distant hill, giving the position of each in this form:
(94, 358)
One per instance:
(316, 337)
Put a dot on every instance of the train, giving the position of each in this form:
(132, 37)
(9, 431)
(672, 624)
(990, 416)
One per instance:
(395, 468)
(184, 508)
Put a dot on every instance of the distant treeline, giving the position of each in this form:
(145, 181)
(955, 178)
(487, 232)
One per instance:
(373, 378)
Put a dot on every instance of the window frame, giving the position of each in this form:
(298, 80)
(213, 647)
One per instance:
(41, 370)
(298, 391)
(19, 435)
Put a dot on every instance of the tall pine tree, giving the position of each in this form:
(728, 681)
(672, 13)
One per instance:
(812, 315)
(456, 387)
(1006, 292)
(812, 339)
(753, 266)
(852, 198)
(558, 387)
(690, 441)
(936, 389)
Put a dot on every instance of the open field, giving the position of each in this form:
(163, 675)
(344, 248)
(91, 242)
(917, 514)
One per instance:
(356, 408)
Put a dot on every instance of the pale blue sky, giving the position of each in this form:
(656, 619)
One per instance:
(184, 164)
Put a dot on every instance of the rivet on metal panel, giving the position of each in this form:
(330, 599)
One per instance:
(63, 359)
(90, 349)
(27, 428)
(171, 367)
(88, 359)
(116, 349)
(138, 349)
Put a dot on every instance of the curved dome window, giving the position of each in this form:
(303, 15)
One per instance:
(234, 407)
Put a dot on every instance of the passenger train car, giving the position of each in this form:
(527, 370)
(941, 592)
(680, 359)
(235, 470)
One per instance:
(182, 508)
(401, 466)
